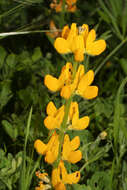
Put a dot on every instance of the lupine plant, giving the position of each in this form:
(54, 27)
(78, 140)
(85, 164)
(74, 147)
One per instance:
(73, 80)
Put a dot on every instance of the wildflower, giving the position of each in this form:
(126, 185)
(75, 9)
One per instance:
(74, 122)
(79, 41)
(69, 152)
(69, 6)
(44, 183)
(54, 31)
(42, 176)
(55, 117)
(79, 85)
(50, 150)
(60, 177)
(55, 84)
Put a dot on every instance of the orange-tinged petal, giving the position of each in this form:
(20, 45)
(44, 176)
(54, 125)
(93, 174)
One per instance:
(40, 147)
(86, 80)
(72, 8)
(65, 32)
(62, 46)
(51, 83)
(75, 156)
(96, 47)
(51, 109)
(90, 92)
(70, 2)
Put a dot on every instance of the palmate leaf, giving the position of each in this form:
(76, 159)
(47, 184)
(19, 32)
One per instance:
(5, 93)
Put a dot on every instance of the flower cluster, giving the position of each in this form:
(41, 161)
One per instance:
(70, 5)
(73, 80)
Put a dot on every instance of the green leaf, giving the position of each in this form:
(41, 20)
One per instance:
(37, 54)
(123, 63)
(10, 130)
(5, 93)
(11, 60)
(3, 54)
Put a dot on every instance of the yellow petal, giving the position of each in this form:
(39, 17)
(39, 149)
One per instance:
(51, 109)
(90, 92)
(50, 122)
(75, 143)
(66, 74)
(69, 178)
(66, 148)
(86, 80)
(62, 46)
(51, 83)
(80, 124)
(75, 156)
(56, 176)
(73, 32)
(96, 47)
(84, 32)
(50, 158)
(73, 109)
(79, 56)
(40, 147)
(78, 44)
(60, 186)
(52, 154)
(66, 92)
(90, 38)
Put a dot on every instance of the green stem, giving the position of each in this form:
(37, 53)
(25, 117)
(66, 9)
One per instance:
(65, 119)
(10, 11)
(110, 55)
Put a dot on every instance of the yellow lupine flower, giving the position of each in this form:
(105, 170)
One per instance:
(80, 85)
(76, 122)
(60, 177)
(82, 41)
(55, 84)
(55, 117)
(70, 152)
(50, 150)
